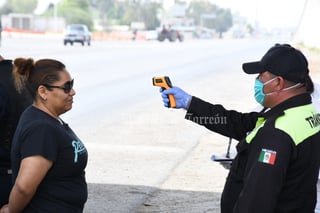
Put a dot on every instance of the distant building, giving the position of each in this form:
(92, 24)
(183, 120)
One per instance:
(33, 23)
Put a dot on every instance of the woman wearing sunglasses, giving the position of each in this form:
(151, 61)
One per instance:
(48, 159)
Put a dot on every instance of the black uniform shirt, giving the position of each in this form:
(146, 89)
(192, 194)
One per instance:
(276, 168)
(12, 104)
(3, 107)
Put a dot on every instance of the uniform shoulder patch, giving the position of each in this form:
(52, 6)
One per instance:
(267, 156)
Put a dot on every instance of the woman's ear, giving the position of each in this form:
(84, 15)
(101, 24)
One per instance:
(42, 91)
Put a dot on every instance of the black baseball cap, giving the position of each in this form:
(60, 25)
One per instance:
(281, 60)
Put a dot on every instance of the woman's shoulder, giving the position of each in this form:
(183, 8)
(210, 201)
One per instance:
(33, 116)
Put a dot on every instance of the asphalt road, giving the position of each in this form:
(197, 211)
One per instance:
(134, 143)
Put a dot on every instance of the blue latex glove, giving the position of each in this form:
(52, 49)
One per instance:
(182, 98)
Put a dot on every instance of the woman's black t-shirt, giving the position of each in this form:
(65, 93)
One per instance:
(64, 187)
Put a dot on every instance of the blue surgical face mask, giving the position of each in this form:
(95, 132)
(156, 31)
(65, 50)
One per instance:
(259, 95)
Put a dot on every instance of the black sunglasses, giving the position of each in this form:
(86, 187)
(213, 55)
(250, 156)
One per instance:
(66, 87)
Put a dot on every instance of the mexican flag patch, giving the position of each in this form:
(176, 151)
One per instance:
(267, 156)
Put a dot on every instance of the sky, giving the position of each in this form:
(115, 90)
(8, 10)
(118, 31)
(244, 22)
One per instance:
(43, 5)
(268, 13)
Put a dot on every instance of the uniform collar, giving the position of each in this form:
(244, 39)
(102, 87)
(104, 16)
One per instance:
(298, 100)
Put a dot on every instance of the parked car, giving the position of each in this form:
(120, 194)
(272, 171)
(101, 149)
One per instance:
(77, 33)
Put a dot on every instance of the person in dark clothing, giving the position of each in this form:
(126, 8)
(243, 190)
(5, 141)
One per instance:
(277, 163)
(12, 104)
(48, 159)
(0, 30)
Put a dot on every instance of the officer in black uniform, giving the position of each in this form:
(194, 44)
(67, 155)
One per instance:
(12, 104)
(277, 162)
(0, 30)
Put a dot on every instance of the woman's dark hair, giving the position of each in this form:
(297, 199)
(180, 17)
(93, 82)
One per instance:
(30, 74)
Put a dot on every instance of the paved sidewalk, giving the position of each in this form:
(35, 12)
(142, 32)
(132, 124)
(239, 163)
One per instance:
(195, 186)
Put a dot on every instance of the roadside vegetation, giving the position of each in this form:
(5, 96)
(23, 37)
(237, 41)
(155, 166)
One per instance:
(125, 12)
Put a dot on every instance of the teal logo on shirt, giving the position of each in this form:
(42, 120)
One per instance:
(78, 148)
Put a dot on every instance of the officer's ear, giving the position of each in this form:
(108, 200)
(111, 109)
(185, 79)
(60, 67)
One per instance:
(280, 83)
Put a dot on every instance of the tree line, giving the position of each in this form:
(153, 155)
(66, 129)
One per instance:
(124, 12)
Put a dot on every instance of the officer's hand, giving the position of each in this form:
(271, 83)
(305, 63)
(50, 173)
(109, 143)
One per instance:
(182, 98)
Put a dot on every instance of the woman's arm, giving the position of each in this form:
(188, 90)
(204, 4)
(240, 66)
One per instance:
(32, 171)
